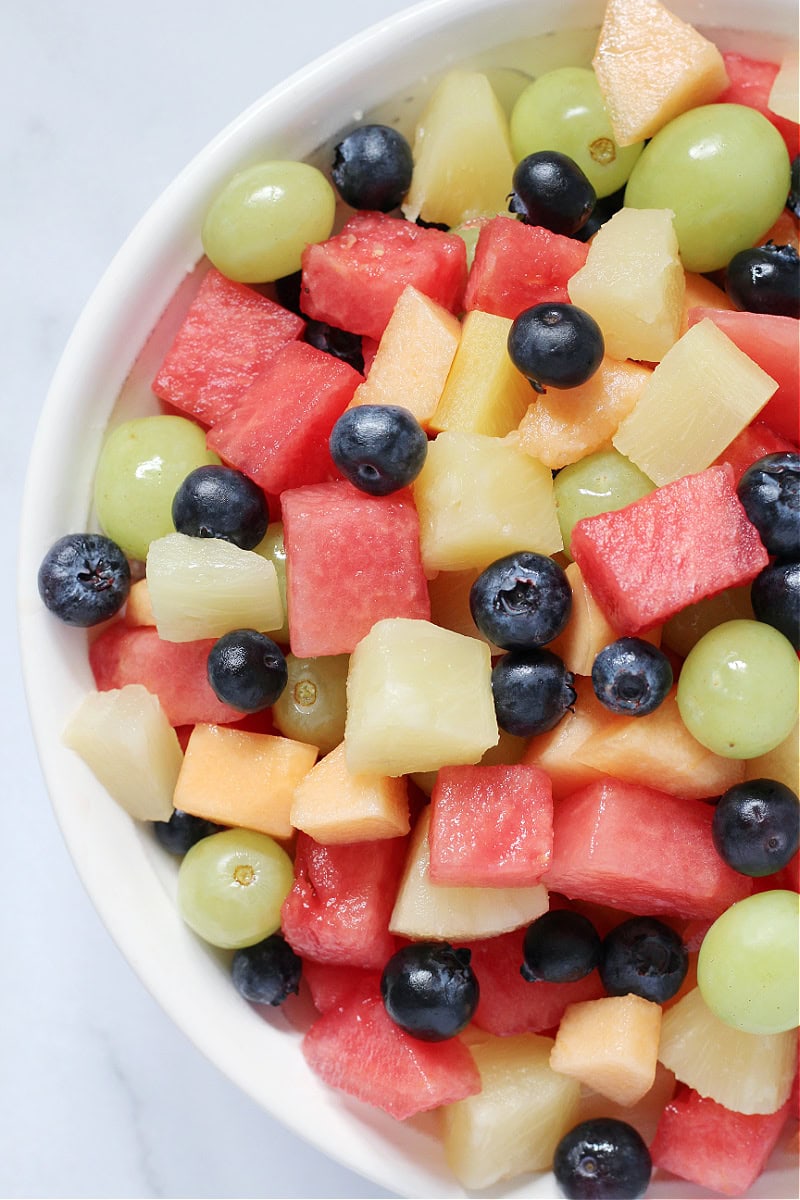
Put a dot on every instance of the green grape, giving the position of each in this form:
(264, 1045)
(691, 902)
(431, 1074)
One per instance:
(748, 966)
(231, 886)
(313, 705)
(271, 547)
(258, 226)
(141, 466)
(724, 171)
(563, 110)
(738, 689)
(601, 482)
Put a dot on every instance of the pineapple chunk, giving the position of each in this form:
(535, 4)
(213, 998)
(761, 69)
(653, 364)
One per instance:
(508, 751)
(611, 1045)
(587, 630)
(484, 392)
(746, 1072)
(697, 400)
(127, 742)
(139, 610)
(438, 911)
(479, 498)
(783, 96)
(333, 806)
(517, 1119)
(463, 162)
(205, 587)
(633, 284)
(418, 698)
(652, 66)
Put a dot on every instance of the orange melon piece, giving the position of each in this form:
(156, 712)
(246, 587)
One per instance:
(587, 630)
(701, 293)
(244, 779)
(139, 609)
(413, 357)
(556, 751)
(566, 424)
(652, 66)
(333, 806)
(611, 1045)
(484, 392)
(449, 593)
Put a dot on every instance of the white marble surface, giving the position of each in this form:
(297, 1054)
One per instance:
(102, 103)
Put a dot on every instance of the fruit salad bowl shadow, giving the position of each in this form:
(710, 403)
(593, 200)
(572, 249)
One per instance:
(104, 377)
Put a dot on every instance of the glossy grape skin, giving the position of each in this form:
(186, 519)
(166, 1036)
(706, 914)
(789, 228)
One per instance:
(723, 170)
(775, 596)
(748, 965)
(756, 826)
(602, 1159)
(738, 689)
(313, 705)
(142, 464)
(430, 990)
(521, 600)
(560, 947)
(258, 225)
(601, 482)
(272, 548)
(563, 110)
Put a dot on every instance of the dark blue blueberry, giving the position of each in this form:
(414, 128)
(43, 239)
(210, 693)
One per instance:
(521, 601)
(756, 826)
(560, 947)
(219, 502)
(550, 189)
(532, 690)
(287, 291)
(765, 279)
(430, 990)
(775, 596)
(372, 168)
(380, 448)
(770, 493)
(84, 579)
(631, 676)
(338, 342)
(793, 201)
(247, 670)
(268, 972)
(555, 345)
(602, 1159)
(182, 831)
(603, 211)
(643, 956)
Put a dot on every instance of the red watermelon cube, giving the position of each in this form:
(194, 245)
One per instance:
(685, 541)
(227, 338)
(279, 431)
(517, 266)
(332, 985)
(351, 560)
(354, 280)
(750, 83)
(491, 826)
(752, 443)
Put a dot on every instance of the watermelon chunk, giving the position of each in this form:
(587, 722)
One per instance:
(686, 540)
(351, 560)
(355, 279)
(516, 266)
(752, 443)
(227, 338)
(750, 83)
(332, 985)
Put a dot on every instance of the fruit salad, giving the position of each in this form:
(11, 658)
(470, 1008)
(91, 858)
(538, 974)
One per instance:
(444, 620)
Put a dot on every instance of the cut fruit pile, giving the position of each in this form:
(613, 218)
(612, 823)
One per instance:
(384, 800)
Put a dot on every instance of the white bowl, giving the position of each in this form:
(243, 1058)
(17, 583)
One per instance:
(130, 881)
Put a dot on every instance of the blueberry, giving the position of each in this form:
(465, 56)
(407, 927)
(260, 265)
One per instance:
(756, 826)
(430, 990)
(182, 831)
(338, 342)
(532, 690)
(603, 211)
(775, 596)
(550, 189)
(631, 676)
(555, 345)
(372, 168)
(287, 291)
(380, 448)
(267, 972)
(247, 670)
(560, 947)
(84, 579)
(770, 491)
(793, 201)
(521, 601)
(220, 502)
(602, 1159)
(643, 956)
(765, 279)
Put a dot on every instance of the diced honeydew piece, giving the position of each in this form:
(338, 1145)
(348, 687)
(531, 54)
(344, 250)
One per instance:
(484, 392)
(783, 97)
(205, 587)
(611, 1045)
(333, 805)
(418, 697)
(127, 742)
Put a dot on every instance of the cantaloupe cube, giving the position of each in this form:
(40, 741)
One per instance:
(333, 806)
(484, 392)
(588, 629)
(611, 1045)
(566, 424)
(783, 96)
(139, 610)
(479, 498)
(780, 763)
(238, 778)
(449, 592)
(517, 1119)
(462, 153)
(555, 751)
(633, 284)
(700, 396)
(413, 357)
(701, 293)
(652, 66)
